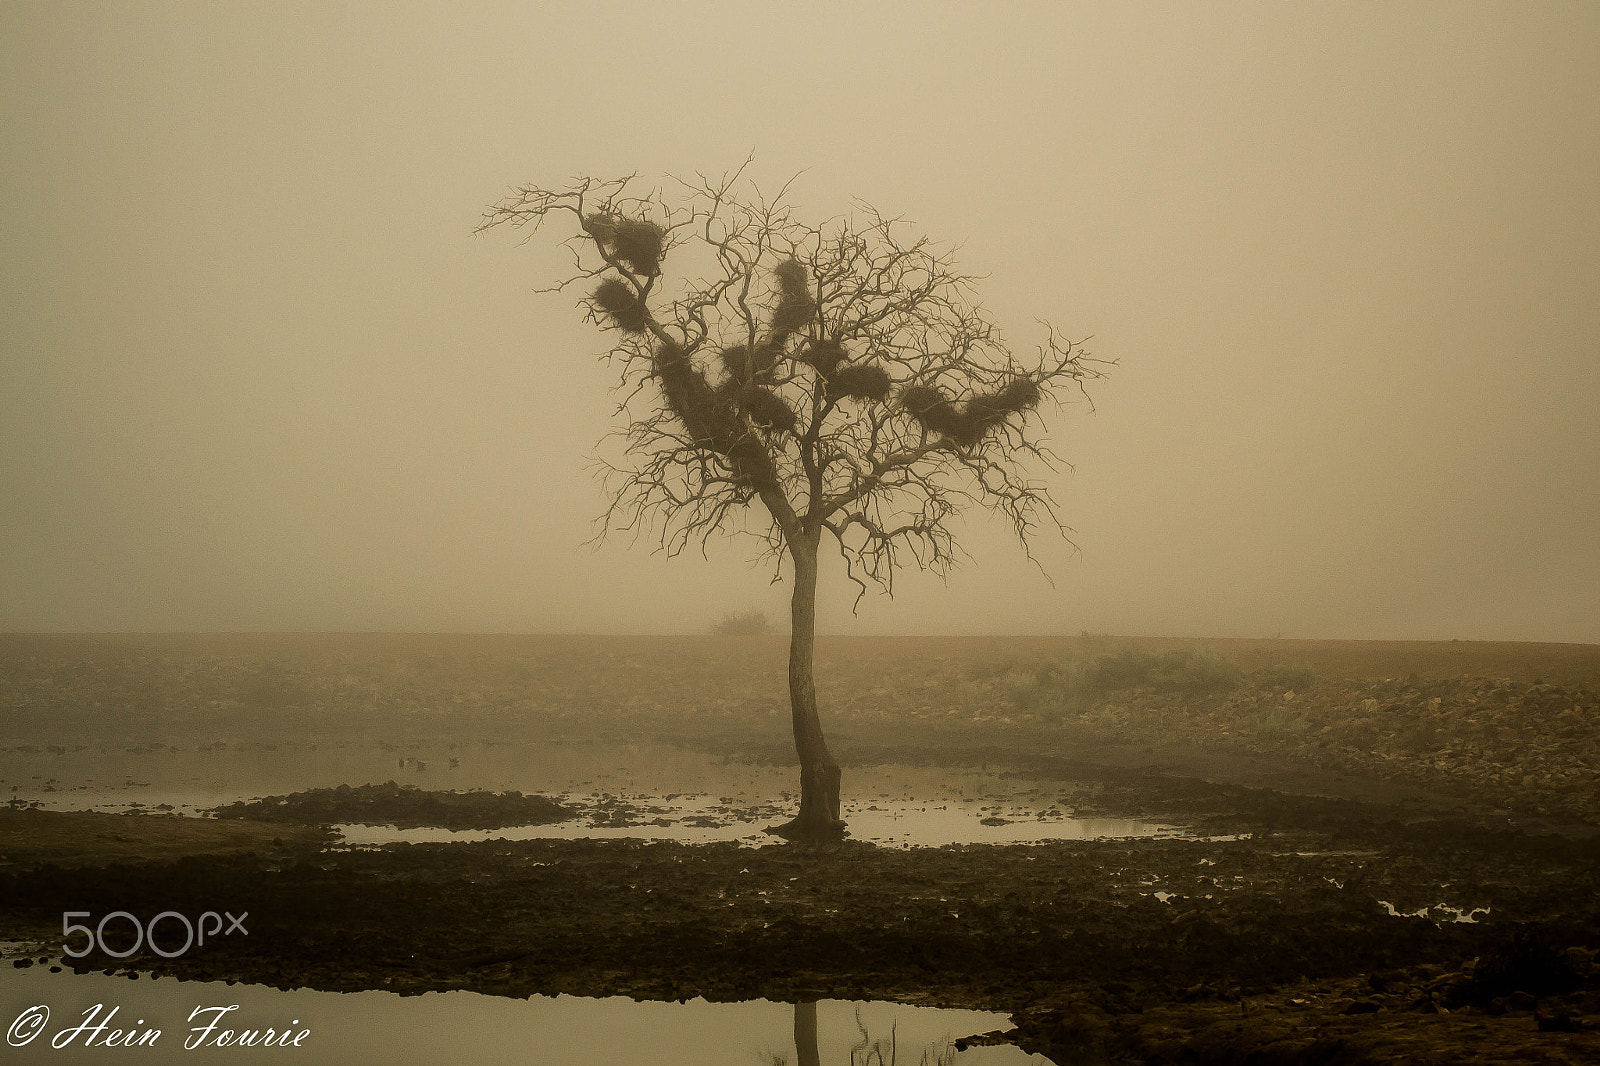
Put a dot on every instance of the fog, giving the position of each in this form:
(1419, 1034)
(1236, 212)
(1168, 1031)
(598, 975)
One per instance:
(260, 375)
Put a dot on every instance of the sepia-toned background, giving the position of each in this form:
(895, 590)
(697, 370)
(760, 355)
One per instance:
(259, 375)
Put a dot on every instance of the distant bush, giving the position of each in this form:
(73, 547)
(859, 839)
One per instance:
(1196, 670)
(1199, 670)
(1029, 684)
(1039, 684)
(1297, 676)
(1128, 667)
(743, 624)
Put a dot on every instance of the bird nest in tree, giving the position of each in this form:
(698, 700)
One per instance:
(795, 306)
(618, 300)
(791, 275)
(825, 355)
(766, 408)
(636, 242)
(713, 416)
(744, 363)
(969, 423)
(794, 310)
(865, 381)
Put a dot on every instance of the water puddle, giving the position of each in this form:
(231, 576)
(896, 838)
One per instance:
(622, 790)
(1439, 912)
(39, 1008)
(902, 826)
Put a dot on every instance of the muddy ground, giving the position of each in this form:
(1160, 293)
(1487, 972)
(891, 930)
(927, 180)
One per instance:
(1276, 945)
(1267, 938)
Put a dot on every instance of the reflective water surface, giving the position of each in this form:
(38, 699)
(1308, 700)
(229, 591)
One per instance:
(464, 1027)
(647, 790)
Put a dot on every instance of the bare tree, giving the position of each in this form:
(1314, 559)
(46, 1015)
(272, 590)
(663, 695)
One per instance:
(840, 375)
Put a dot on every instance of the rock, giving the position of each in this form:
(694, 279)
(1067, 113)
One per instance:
(1555, 1021)
(993, 1038)
(1388, 980)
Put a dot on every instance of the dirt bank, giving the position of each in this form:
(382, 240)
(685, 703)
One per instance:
(34, 838)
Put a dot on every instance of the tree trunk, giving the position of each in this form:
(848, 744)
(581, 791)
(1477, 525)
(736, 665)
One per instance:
(805, 1034)
(819, 774)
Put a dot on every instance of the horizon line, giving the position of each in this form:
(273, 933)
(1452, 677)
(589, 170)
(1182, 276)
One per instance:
(1080, 635)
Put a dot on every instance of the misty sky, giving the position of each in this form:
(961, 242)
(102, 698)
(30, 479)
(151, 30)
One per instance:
(258, 373)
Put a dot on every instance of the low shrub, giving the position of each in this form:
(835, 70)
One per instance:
(1295, 676)
(1197, 671)
(743, 624)
(1072, 684)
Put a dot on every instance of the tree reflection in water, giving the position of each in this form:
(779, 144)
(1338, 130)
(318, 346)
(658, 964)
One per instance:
(866, 1052)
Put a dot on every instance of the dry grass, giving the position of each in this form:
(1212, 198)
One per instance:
(86, 838)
